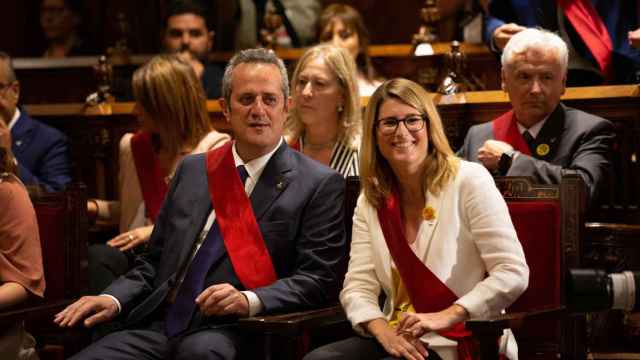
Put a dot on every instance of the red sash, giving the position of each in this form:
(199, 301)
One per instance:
(427, 292)
(238, 226)
(295, 145)
(505, 128)
(150, 175)
(588, 24)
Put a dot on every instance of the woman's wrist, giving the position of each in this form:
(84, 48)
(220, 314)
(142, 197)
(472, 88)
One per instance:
(377, 327)
(458, 312)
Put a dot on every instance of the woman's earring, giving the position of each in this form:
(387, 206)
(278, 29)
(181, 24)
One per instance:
(340, 108)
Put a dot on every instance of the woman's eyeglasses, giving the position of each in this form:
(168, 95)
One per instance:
(413, 123)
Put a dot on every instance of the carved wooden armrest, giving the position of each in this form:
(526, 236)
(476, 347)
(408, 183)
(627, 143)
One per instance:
(23, 311)
(487, 332)
(613, 228)
(294, 323)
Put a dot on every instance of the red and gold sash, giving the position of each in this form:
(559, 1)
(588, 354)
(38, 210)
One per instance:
(505, 128)
(237, 222)
(427, 292)
(589, 25)
(150, 174)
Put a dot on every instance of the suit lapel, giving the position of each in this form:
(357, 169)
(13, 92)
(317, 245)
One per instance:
(548, 140)
(428, 226)
(197, 218)
(20, 132)
(425, 235)
(275, 178)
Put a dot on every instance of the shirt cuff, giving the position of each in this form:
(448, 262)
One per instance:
(255, 305)
(114, 300)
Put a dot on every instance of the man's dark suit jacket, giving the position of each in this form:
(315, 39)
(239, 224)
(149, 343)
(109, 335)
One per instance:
(578, 141)
(298, 204)
(619, 16)
(42, 153)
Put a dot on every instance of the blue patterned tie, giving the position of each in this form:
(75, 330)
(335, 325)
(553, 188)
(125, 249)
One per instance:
(181, 311)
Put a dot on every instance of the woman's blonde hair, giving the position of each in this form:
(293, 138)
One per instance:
(169, 91)
(341, 64)
(441, 165)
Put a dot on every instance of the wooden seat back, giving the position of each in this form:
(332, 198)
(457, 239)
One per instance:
(549, 221)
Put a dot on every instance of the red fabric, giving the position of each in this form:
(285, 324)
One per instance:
(428, 294)
(296, 145)
(505, 128)
(150, 174)
(537, 224)
(238, 226)
(588, 24)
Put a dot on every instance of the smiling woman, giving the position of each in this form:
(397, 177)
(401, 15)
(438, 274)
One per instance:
(434, 276)
(324, 123)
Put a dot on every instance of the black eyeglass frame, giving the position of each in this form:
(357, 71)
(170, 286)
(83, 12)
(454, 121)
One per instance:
(424, 117)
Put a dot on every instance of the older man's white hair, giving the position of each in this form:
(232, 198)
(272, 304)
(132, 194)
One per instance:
(535, 39)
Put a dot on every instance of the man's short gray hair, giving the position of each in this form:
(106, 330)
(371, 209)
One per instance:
(537, 39)
(253, 56)
(6, 60)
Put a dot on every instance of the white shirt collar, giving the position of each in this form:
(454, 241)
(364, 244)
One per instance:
(534, 130)
(14, 120)
(254, 167)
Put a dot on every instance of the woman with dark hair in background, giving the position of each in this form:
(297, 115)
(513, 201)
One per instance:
(21, 271)
(343, 26)
(174, 122)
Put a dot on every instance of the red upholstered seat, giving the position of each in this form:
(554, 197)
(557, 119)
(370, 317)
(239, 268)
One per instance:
(549, 221)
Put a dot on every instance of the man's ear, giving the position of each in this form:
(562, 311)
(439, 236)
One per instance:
(564, 83)
(226, 111)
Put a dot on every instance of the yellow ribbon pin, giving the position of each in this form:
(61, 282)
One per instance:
(428, 213)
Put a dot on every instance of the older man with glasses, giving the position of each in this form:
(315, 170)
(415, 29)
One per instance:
(40, 152)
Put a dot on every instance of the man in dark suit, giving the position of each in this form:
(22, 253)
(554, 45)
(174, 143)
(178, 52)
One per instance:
(291, 236)
(41, 152)
(540, 137)
(619, 19)
(187, 32)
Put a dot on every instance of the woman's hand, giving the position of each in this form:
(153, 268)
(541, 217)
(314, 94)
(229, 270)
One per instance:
(131, 239)
(422, 323)
(407, 347)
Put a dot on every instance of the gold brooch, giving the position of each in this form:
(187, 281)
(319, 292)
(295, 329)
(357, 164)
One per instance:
(428, 213)
(543, 149)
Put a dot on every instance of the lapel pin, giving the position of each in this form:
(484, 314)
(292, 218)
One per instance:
(542, 149)
(280, 185)
(428, 213)
(18, 142)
